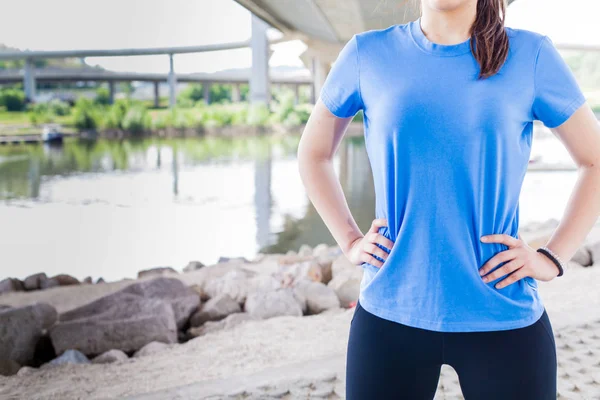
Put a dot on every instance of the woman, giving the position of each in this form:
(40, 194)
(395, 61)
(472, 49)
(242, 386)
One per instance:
(449, 102)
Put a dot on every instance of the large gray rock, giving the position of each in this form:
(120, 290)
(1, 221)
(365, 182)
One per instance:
(239, 283)
(346, 281)
(58, 280)
(321, 250)
(305, 250)
(11, 285)
(111, 356)
(215, 309)
(311, 270)
(151, 348)
(34, 282)
(158, 271)
(193, 266)
(26, 371)
(183, 299)
(342, 266)
(347, 289)
(270, 304)
(9, 367)
(583, 255)
(319, 297)
(224, 259)
(224, 324)
(122, 321)
(234, 284)
(22, 328)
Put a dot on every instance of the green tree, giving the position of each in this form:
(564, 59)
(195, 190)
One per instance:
(12, 99)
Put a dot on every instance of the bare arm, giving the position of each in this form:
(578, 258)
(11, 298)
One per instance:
(580, 134)
(319, 142)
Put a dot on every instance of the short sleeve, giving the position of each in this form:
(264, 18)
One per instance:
(557, 93)
(341, 90)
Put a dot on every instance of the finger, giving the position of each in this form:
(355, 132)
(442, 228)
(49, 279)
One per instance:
(512, 278)
(377, 223)
(382, 240)
(376, 251)
(501, 238)
(504, 270)
(371, 260)
(499, 257)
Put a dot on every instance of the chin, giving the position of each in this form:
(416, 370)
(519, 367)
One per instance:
(445, 5)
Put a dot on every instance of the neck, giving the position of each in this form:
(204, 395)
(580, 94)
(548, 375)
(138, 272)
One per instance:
(448, 26)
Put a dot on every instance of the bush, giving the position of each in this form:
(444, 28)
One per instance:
(115, 114)
(190, 95)
(85, 115)
(185, 102)
(137, 120)
(12, 99)
(303, 111)
(40, 113)
(102, 96)
(218, 115)
(47, 112)
(258, 114)
(240, 114)
(293, 119)
(176, 118)
(59, 107)
(284, 107)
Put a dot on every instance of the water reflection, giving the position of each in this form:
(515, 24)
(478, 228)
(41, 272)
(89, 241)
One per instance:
(111, 208)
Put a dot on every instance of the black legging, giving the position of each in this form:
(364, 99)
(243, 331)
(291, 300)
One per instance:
(389, 360)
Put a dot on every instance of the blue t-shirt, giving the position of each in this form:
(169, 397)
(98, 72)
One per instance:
(448, 153)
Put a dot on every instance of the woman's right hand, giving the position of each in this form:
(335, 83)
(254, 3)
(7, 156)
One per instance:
(363, 248)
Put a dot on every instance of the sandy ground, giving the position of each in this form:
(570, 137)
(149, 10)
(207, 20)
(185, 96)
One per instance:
(292, 357)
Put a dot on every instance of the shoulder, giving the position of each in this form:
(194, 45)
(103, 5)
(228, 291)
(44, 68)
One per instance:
(525, 39)
(374, 38)
(375, 34)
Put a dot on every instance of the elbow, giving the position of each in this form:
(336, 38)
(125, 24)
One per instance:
(589, 165)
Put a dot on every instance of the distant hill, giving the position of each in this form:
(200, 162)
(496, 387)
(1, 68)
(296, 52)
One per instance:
(52, 62)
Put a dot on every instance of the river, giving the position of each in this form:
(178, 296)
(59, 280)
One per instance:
(111, 208)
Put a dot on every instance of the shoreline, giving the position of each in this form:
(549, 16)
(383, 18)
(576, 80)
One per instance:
(287, 355)
(228, 131)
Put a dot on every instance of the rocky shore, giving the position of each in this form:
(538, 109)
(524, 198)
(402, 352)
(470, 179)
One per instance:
(233, 329)
(109, 322)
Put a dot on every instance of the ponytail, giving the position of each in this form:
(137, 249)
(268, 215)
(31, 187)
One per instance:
(489, 41)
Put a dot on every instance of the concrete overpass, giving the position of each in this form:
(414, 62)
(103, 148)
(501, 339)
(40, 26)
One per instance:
(233, 78)
(258, 78)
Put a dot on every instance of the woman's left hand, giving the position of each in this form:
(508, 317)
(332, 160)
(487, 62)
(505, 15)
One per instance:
(521, 260)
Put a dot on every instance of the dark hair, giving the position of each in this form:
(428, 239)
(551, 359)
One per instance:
(489, 41)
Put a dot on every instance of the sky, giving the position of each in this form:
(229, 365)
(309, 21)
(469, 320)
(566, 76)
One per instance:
(108, 24)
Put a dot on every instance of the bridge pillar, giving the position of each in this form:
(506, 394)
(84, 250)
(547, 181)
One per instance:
(259, 78)
(296, 93)
(156, 94)
(319, 74)
(206, 91)
(29, 80)
(172, 83)
(111, 92)
(236, 95)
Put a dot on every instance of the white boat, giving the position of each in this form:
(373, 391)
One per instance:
(51, 133)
